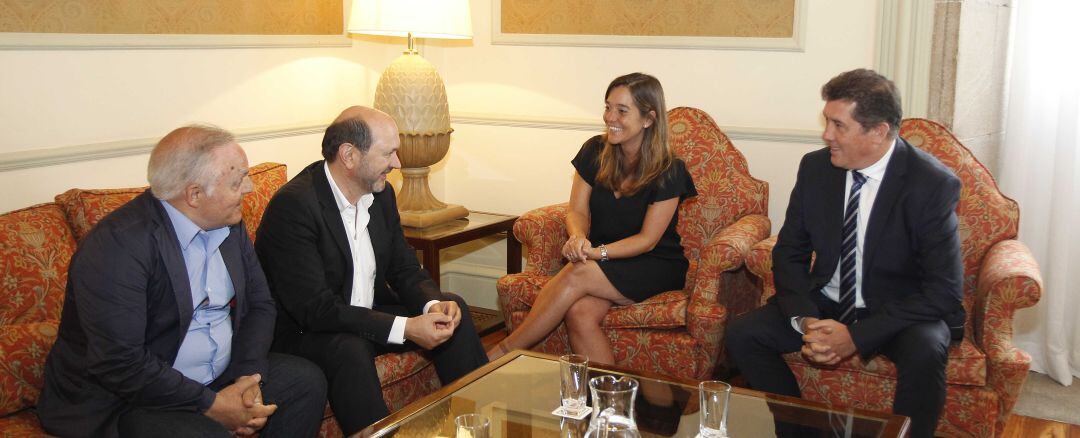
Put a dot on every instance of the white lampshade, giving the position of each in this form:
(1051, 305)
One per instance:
(448, 19)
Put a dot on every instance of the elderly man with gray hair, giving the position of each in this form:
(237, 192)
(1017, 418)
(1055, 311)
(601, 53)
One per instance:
(167, 321)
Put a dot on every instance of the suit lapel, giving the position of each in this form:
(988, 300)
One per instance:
(833, 208)
(230, 254)
(330, 213)
(891, 186)
(169, 249)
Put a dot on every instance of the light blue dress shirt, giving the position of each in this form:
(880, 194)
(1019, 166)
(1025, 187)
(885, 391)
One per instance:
(205, 352)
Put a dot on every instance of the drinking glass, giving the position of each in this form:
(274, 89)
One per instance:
(471, 426)
(574, 376)
(714, 405)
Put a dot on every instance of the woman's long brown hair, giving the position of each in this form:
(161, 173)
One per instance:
(655, 156)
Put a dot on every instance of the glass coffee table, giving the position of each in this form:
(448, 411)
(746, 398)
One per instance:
(519, 391)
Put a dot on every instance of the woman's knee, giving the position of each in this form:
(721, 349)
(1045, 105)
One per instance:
(585, 313)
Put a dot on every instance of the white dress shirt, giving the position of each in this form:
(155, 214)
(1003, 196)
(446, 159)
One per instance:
(355, 217)
(874, 174)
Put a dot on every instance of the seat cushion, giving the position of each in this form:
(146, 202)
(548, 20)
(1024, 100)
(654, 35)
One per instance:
(24, 424)
(36, 245)
(84, 208)
(23, 348)
(966, 366)
(666, 310)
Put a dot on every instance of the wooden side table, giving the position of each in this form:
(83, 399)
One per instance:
(475, 226)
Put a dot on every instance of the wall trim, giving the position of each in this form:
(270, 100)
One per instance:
(75, 41)
(120, 148)
(97, 151)
(779, 135)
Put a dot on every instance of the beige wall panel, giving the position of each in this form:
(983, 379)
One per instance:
(241, 17)
(712, 18)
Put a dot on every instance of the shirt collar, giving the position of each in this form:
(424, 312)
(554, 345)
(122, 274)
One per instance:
(876, 171)
(186, 230)
(339, 198)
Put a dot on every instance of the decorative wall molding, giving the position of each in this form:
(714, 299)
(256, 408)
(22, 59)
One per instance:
(121, 148)
(67, 41)
(796, 43)
(904, 50)
(779, 135)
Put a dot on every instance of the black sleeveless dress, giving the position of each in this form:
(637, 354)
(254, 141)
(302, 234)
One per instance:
(659, 270)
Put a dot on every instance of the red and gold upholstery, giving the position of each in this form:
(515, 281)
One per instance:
(36, 245)
(985, 371)
(678, 332)
(86, 207)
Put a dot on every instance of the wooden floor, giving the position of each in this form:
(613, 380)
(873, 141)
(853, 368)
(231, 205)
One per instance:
(1018, 426)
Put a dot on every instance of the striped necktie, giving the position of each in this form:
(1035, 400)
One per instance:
(850, 232)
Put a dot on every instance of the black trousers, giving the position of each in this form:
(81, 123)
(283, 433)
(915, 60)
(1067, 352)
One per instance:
(348, 361)
(756, 340)
(295, 385)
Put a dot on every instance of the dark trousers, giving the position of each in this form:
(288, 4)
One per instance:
(348, 361)
(295, 385)
(756, 340)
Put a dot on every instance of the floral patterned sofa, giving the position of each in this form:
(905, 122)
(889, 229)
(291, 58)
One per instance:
(679, 332)
(36, 244)
(985, 370)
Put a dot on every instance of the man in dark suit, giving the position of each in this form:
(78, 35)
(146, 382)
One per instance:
(348, 285)
(167, 319)
(879, 216)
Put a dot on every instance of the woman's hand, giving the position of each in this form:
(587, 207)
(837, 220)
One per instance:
(576, 249)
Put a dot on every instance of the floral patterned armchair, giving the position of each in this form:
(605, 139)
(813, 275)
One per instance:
(678, 332)
(985, 370)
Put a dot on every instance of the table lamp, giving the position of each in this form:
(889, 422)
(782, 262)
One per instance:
(411, 91)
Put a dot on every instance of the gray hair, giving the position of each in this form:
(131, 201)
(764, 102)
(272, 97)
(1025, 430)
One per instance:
(183, 157)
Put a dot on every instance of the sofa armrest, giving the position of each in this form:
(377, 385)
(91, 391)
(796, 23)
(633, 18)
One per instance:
(543, 232)
(759, 262)
(1008, 280)
(726, 251)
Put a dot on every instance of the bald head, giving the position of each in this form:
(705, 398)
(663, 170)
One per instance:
(369, 115)
(185, 156)
(357, 126)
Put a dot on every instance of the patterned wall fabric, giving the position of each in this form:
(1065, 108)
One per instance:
(675, 333)
(241, 17)
(712, 18)
(985, 371)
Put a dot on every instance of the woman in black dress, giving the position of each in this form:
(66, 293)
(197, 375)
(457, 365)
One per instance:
(622, 245)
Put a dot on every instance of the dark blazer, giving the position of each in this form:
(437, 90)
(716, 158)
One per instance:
(127, 309)
(912, 267)
(302, 244)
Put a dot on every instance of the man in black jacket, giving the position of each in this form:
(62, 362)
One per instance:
(879, 215)
(167, 319)
(348, 285)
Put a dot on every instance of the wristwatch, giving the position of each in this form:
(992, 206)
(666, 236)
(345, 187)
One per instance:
(603, 253)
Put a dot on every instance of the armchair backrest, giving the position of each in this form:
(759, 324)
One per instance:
(986, 215)
(726, 191)
(86, 207)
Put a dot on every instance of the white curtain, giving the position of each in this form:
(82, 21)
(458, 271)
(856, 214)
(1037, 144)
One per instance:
(1040, 163)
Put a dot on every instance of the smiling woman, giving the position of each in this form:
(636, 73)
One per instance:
(622, 246)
